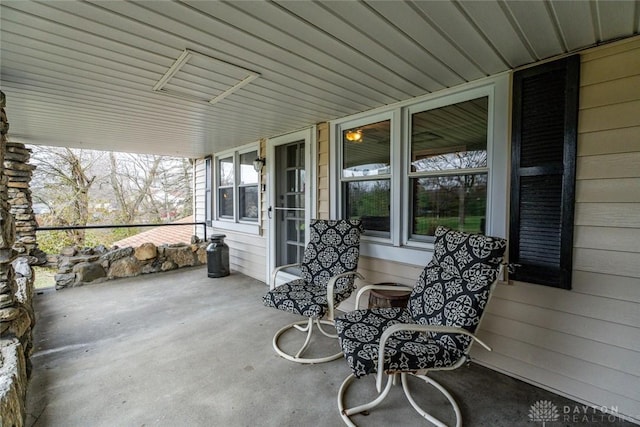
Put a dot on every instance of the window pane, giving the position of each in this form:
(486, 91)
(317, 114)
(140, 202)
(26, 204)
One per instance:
(292, 156)
(225, 202)
(294, 253)
(295, 230)
(451, 137)
(248, 203)
(369, 201)
(248, 174)
(225, 171)
(295, 201)
(455, 201)
(295, 181)
(366, 150)
(207, 204)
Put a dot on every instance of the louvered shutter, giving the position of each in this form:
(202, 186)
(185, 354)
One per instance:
(543, 153)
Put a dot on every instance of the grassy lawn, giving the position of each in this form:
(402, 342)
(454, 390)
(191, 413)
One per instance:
(44, 277)
(427, 225)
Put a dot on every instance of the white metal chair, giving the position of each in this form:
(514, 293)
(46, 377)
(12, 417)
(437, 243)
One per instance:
(436, 329)
(328, 275)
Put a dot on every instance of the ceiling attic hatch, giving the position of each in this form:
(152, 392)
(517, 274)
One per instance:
(198, 77)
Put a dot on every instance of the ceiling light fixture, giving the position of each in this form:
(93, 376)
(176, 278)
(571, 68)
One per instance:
(354, 135)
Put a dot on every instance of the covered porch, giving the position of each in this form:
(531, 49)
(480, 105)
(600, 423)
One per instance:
(225, 82)
(182, 349)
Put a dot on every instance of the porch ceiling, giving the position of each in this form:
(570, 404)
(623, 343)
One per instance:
(81, 74)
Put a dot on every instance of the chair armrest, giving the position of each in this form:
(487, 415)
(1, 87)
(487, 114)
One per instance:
(331, 285)
(398, 327)
(277, 270)
(379, 288)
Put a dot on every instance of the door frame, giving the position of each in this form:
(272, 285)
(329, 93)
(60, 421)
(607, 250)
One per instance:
(310, 164)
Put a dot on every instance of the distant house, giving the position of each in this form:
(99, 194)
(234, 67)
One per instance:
(41, 209)
(161, 234)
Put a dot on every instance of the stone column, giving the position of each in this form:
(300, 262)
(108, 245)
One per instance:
(16, 316)
(19, 172)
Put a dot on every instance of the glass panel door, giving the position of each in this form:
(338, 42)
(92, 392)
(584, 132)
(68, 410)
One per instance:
(289, 208)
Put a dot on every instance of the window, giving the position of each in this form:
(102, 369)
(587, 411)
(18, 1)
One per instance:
(237, 182)
(438, 160)
(545, 118)
(366, 175)
(248, 187)
(448, 168)
(226, 180)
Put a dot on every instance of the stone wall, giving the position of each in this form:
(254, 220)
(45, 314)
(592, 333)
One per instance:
(16, 311)
(78, 267)
(19, 172)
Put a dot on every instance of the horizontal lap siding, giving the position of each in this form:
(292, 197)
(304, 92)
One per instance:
(198, 194)
(247, 253)
(323, 171)
(585, 343)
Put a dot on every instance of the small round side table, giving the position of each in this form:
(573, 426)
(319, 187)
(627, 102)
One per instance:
(384, 298)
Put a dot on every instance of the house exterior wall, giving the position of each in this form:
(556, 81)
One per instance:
(198, 195)
(323, 197)
(585, 343)
(247, 252)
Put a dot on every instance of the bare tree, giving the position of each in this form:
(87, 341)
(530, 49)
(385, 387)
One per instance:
(132, 177)
(84, 186)
(66, 176)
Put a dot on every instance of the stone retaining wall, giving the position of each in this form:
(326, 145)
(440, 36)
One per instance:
(78, 267)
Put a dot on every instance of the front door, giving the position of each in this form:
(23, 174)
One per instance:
(289, 208)
(290, 198)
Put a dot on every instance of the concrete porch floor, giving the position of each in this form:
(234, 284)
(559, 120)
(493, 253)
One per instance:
(180, 349)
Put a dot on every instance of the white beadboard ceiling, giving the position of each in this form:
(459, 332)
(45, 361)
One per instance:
(81, 74)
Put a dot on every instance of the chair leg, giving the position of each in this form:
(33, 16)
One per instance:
(441, 389)
(345, 413)
(392, 379)
(305, 326)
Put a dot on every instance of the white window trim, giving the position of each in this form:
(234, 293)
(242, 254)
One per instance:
(235, 224)
(399, 247)
(208, 187)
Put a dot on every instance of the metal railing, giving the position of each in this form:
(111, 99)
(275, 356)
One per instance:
(108, 226)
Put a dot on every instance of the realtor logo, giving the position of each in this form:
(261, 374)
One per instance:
(543, 411)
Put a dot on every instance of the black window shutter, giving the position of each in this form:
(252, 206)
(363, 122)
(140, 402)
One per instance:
(543, 163)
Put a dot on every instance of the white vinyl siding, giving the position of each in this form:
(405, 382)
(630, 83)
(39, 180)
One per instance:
(199, 188)
(247, 252)
(323, 197)
(584, 343)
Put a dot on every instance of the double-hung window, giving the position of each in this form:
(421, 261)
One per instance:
(237, 194)
(448, 168)
(366, 175)
(437, 160)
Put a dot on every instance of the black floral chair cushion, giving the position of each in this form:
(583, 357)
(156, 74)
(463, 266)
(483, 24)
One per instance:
(334, 248)
(447, 293)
